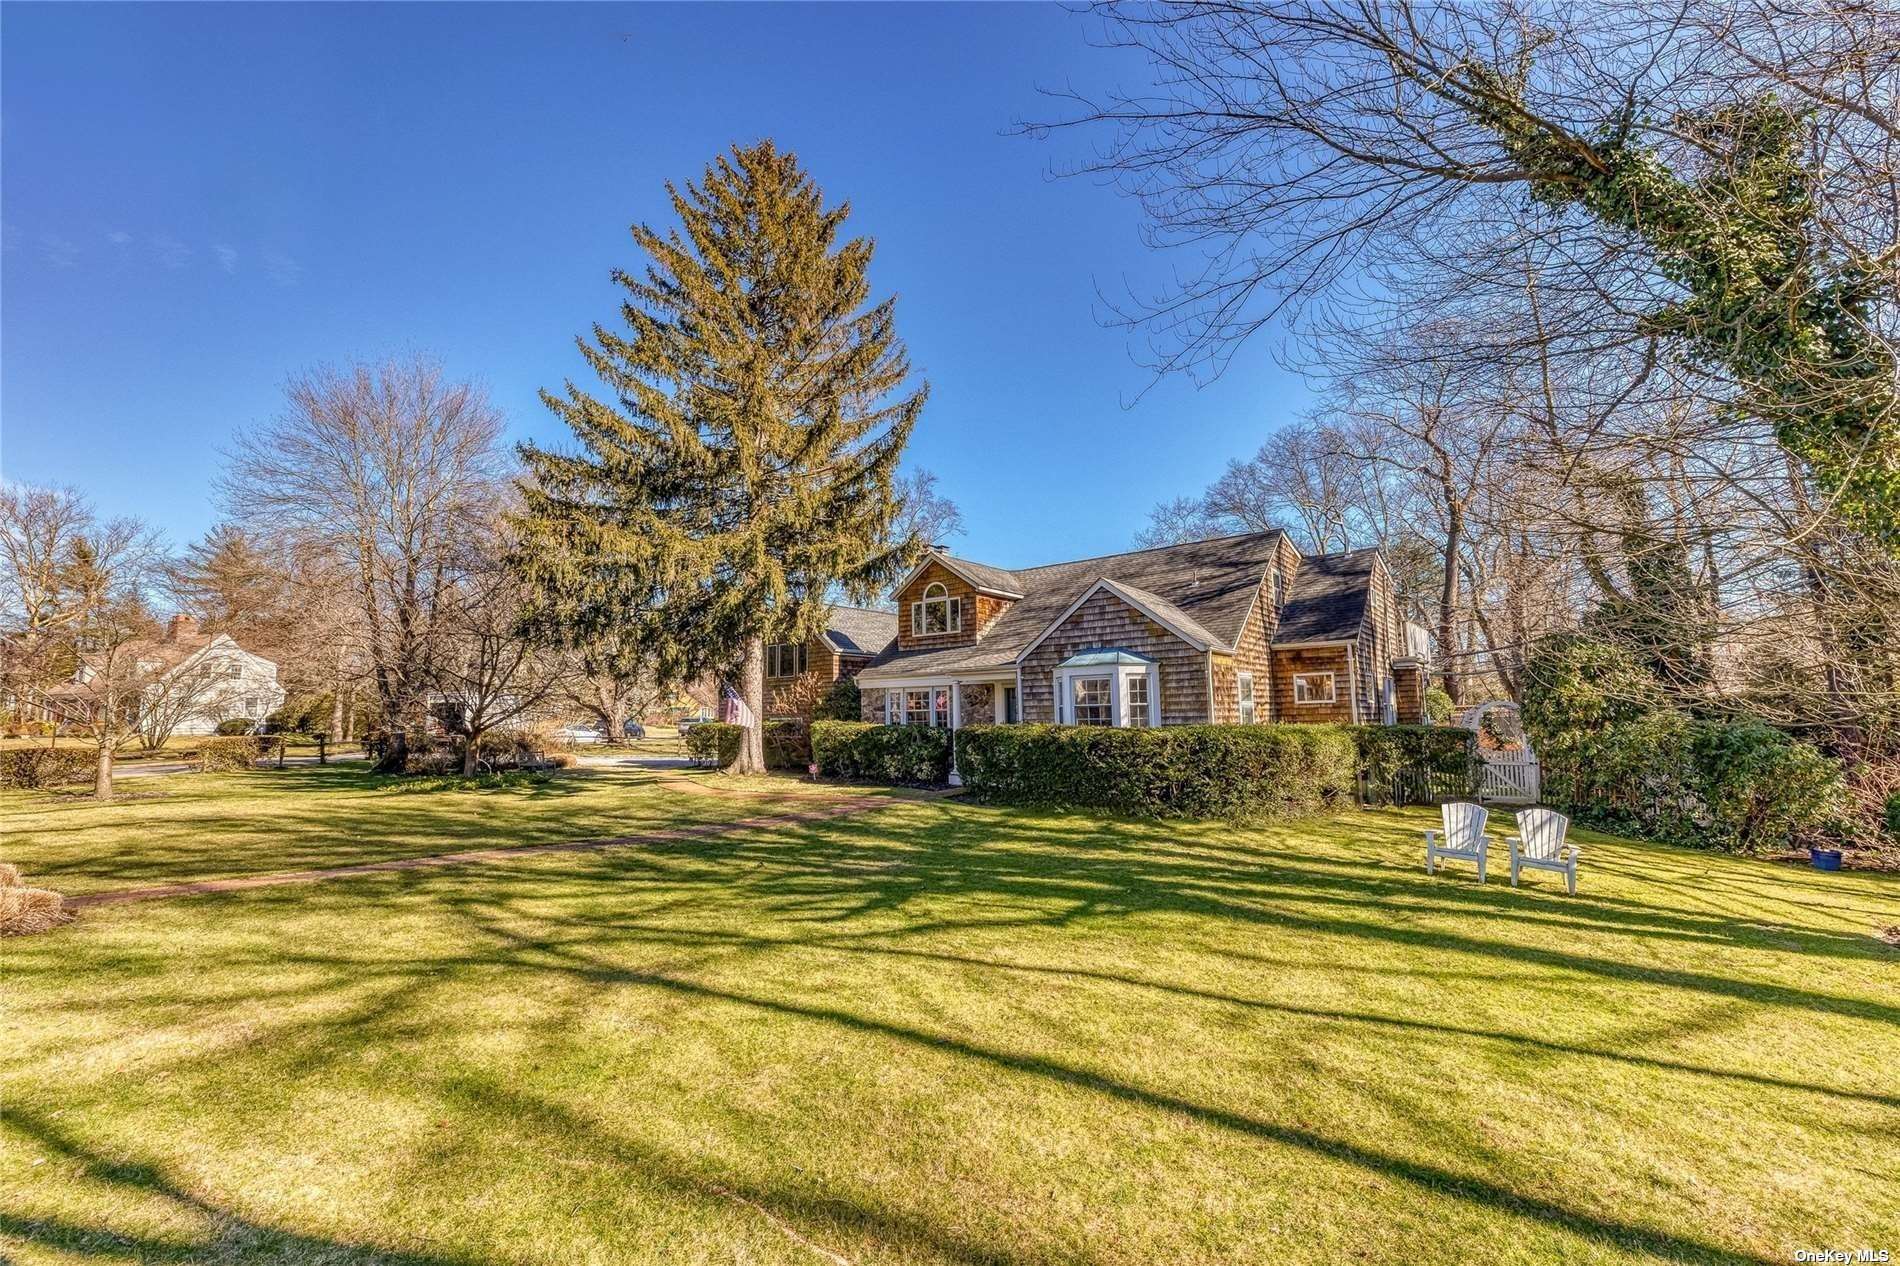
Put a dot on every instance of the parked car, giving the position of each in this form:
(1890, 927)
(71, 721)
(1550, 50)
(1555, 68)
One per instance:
(634, 730)
(686, 724)
(581, 732)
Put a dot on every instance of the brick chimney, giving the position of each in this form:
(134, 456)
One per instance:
(181, 627)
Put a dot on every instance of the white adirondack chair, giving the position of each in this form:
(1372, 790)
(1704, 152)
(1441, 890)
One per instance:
(1464, 837)
(1540, 845)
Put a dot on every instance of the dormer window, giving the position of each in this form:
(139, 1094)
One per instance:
(936, 612)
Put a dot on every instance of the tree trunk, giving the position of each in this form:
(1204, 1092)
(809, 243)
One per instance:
(752, 690)
(396, 755)
(102, 774)
(1448, 598)
(468, 753)
(336, 714)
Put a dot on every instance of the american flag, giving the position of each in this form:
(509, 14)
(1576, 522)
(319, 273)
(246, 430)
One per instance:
(735, 709)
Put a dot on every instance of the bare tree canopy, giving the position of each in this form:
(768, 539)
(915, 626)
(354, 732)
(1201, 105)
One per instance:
(386, 471)
(1724, 179)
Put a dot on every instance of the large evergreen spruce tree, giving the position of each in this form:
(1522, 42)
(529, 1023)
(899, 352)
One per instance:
(740, 466)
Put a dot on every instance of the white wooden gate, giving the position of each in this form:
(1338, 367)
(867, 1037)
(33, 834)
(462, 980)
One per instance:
(1507, 778)
(1506, 775)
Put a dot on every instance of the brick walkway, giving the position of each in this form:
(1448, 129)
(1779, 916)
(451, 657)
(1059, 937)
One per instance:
(837, 809)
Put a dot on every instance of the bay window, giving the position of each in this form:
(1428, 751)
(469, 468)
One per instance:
(1108, 687)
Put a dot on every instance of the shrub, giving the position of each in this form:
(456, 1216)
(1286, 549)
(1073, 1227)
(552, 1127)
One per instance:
(31, 767)
(241, 751)
(716, 742)
(1740, 786)
(236, 726)
(1438, 706)
(843, 702)
(1762, 788)
(915, 755)
(1252, 771)
(1893, 814)
(1415, 764)
(1576, 685)
(787, 745)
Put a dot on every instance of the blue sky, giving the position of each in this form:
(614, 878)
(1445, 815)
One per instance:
(199, 200)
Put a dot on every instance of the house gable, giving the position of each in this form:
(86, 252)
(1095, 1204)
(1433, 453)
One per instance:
(1105, 620)
(975, 610)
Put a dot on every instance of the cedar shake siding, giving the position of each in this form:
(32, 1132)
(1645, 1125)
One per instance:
(1106, 621)
(1410, 679)
(979, 610)
(851, 639)
(1319, 659)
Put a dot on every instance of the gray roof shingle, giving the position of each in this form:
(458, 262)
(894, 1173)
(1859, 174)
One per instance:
(860, 631)
(1327, 602)
(1206, 585)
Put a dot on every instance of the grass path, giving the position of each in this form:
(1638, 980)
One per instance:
(949, 1033)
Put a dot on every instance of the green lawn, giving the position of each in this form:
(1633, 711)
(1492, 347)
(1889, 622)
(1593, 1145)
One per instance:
(947, 1033)
(195, 826)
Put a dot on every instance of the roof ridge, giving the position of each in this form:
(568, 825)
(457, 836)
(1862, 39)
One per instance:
(1128, 553)
(1154, 549)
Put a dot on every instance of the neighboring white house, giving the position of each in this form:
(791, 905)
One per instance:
(193, 681)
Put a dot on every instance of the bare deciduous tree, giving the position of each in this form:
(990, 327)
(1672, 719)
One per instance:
(385, 471)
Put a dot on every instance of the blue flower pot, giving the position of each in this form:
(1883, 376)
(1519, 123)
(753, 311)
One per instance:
(1825, 858)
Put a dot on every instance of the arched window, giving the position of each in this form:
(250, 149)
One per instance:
(936, 612)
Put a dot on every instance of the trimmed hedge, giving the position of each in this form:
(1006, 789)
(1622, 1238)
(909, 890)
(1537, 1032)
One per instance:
(1416, 764)
(787, 743)
(242, 751)
(715, 741)
(1201, 771)
(917, 755)
(31, 767)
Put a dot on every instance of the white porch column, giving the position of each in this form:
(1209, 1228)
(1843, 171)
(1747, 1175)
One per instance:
(956, 714)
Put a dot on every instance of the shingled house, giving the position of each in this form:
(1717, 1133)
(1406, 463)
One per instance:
(851, 639)
(1237, 630)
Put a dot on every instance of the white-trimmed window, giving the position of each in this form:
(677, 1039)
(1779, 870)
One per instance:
(930, 706)
(1107, 687)
(1092, 700)
(1243, 691)
(1313, 688)
(1135, 700)
(1389, 700)
(936, 612)
(784, 659)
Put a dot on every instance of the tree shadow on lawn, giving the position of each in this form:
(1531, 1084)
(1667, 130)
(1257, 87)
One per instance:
(1466, 1188)
(234, 1237)
(862, 887)
(312, 831)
